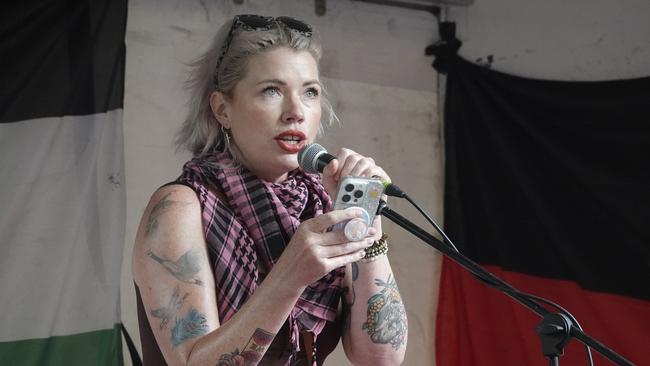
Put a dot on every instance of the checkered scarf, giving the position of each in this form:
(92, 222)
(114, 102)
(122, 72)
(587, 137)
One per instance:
(250, 232)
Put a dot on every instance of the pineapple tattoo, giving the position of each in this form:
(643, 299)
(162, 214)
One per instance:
(386, 317)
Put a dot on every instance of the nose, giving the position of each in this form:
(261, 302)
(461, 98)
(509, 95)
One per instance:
(293, 110)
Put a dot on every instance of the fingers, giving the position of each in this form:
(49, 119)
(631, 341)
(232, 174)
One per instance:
(325, 221)
(333, 251)
(354, 164)
(314, 251)
(343, 260)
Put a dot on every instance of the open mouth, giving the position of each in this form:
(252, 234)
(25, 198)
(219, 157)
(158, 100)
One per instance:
(291, 141)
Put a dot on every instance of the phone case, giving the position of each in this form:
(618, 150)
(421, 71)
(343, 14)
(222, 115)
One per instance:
(358, 192)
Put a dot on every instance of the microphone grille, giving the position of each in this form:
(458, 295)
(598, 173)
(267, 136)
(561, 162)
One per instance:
(308, 157)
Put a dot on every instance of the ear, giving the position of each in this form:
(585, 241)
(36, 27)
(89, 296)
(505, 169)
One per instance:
(220, 106)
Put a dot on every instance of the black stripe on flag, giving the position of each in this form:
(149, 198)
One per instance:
(550, 178)
(61, 58)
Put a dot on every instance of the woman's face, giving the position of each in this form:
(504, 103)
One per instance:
(275, 110)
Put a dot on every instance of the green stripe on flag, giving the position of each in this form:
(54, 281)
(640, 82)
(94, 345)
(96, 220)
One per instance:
(101, 347)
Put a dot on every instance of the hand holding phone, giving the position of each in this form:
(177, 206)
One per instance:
(358, 192)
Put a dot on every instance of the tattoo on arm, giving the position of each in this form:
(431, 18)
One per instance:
(165, 314)
(347, 306)
(185, 269)
(192, 325)
(252, 353)
(386, 321)
(157, 211)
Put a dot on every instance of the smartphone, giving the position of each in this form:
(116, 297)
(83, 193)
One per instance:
(358, 192)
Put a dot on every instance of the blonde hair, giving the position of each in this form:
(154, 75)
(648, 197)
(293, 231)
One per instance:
(200, 132)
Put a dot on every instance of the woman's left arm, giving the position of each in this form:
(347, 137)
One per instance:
(376, 327)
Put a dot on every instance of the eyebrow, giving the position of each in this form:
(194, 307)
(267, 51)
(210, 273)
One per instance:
(280, 82)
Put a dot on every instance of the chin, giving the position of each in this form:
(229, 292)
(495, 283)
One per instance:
(290, 163)
(287, 158)
(281, 165)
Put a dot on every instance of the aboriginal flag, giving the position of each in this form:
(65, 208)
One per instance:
(548, 186)
(61, 181)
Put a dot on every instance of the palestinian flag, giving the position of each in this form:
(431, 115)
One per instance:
(62, 181)
(548, 186)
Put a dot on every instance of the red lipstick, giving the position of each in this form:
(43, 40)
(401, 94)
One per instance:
(291, 141)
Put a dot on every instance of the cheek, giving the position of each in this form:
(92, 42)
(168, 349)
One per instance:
(315, 123)
(316, 112)
(253, 117)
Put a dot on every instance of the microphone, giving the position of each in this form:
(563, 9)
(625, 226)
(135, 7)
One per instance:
(313, 158)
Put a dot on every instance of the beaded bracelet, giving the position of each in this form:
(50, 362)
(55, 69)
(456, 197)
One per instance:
(380, 247)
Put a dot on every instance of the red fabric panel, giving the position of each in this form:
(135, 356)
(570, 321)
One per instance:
(477, 325)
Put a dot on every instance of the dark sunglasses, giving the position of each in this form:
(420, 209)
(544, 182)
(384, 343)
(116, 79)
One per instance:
(251, 23)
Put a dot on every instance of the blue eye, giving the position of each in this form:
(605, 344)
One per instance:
(271, 91)
(312, 92)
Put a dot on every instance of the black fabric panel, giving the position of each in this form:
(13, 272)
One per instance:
(550, 178)
(60, 58)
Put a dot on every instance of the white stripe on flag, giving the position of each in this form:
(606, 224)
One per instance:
(61, 225)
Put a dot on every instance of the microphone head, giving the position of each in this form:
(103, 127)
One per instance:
(308, 157)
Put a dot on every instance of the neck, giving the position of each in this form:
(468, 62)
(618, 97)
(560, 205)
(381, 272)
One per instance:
(273, 178)
(266, 175)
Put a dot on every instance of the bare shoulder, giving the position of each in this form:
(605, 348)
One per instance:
(170, 225)
(176, 201)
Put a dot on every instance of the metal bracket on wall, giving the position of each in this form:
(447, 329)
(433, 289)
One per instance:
(320, 6)
(433, 9)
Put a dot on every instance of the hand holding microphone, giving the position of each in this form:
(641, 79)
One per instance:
(313, 158)
(353, 181)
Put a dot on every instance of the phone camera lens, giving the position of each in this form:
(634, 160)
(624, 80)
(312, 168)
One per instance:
(349, 187)
(345, 198)
(358, 194)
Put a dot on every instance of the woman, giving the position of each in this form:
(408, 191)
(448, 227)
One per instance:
(234, 263)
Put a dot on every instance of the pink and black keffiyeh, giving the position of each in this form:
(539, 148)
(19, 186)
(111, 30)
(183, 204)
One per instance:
(247, 235)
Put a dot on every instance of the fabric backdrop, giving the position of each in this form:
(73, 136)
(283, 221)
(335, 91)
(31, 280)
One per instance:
(548, 186)
(61, 181)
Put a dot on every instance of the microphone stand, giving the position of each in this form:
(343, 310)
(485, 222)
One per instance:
(555, 330)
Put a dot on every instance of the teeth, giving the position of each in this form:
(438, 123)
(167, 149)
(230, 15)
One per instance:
(290, 138)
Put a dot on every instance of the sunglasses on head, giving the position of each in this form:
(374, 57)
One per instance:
(251, 23)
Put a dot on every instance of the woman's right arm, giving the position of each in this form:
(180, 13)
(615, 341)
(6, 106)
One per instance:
(173, 273)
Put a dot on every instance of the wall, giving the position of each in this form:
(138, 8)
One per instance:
(558, 39)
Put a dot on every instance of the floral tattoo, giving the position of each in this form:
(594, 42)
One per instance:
(193, 325)
(252, 353)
